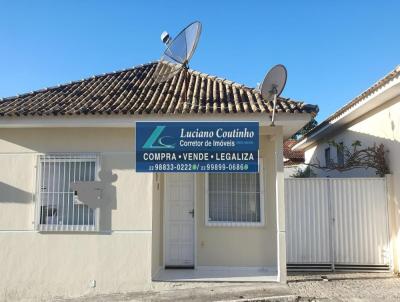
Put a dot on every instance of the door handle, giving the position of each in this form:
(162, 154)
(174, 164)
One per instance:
(192, 213)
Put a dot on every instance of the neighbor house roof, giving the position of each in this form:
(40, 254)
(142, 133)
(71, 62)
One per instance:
(363, 101)
(133, 91)
(292, 157)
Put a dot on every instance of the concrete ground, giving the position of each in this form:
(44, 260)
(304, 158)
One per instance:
(345, 286)
(198, 292)
(301, 287)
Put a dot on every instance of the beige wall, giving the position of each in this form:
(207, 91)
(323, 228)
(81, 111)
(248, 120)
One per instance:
(123, 255)
(381, 125)
(157, 233)
(239, 246)
(43, 264)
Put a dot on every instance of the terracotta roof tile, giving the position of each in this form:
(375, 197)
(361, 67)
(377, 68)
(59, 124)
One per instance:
(134, 91)
(290, 154)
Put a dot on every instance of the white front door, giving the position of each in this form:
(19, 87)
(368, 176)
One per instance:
(179, 220)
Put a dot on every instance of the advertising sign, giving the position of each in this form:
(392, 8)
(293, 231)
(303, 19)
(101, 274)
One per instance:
(197, 147)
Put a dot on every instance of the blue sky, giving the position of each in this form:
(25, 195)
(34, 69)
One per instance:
(333, 50)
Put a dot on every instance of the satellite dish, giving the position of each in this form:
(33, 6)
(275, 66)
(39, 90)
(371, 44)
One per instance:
(178, 53)
(273, 84)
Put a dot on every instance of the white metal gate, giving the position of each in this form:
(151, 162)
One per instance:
(339, 223)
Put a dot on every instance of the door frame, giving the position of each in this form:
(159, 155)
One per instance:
(194, 177)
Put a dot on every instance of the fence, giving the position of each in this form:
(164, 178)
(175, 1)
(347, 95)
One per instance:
(337, 223)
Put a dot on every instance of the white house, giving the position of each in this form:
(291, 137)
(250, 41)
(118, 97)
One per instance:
(53, 245)
(373, 117)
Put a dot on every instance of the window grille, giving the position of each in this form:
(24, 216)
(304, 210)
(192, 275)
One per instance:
(57, 209)
(235, 199)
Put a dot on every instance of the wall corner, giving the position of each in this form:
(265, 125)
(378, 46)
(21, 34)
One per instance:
(280, 209)
(393, 216)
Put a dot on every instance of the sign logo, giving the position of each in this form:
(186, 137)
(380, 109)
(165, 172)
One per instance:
(197, 147)
(155, 140)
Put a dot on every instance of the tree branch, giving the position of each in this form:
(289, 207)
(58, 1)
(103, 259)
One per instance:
(370, 157)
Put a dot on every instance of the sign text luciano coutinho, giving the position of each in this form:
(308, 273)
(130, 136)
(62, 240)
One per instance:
(155, 141)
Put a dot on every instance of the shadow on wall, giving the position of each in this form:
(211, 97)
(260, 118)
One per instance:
(107, 203)
(110, 202)
(10, 194)
(115, 146)
(100, 195)
(367, 140)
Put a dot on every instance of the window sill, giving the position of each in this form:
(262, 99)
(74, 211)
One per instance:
(65, 228)
(234, 224)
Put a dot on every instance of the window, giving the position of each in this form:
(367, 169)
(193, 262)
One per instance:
(327, 157)
(340, 154)
(234, 199)
(57, 208)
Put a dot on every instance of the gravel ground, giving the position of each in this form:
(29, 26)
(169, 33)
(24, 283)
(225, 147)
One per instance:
(346, 287)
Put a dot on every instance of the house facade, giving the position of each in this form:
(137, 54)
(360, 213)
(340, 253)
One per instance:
(150, 225)
(293, 160)
(372, 118)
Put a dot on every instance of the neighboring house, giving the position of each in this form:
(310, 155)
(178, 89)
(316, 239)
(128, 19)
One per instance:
(373, 117)
(53, 245)
(292, 159)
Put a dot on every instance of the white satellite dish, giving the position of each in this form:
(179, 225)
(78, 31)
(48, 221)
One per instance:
(272, 86)
(178, 53)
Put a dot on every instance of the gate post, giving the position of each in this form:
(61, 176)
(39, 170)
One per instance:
(393, 216)
(332, 222)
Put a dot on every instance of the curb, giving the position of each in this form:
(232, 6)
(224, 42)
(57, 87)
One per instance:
(285, 298)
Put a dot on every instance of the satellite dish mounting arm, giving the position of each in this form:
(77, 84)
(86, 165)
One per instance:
(272, 86)
(274, 91)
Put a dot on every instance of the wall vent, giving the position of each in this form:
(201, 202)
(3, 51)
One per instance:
(323, 267)
(309, 267)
